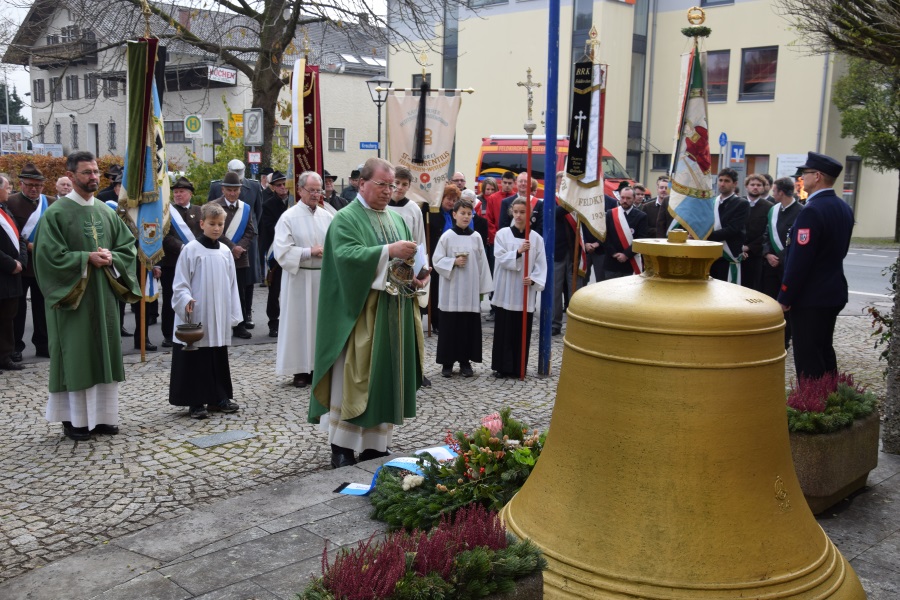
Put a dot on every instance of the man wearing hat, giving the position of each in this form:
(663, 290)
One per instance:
(251, 193)
(27, 208)
(185, 226)
(239, 235)
(331, 196)
(814, 289)
(349, 192)
(110, 193)
(278, 202)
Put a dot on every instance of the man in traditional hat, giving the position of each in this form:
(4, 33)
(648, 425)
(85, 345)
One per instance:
(84, 260)
(331, 196)
(349, 192)
(814, 289)
(185, 226)
(27, 208)
(13, 258)
(110, 193)
(239, 237)
(251, 193)
(273, 208)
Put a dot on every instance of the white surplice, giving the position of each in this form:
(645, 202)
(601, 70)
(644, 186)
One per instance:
(412, 215)
(508, 270)
(297, 231)
(461, 287)
(207, 276)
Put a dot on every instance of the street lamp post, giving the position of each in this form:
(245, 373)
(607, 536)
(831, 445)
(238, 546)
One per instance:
(378, 88)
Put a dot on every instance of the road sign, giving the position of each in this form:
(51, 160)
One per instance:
(193, 126)
(723, 139)
(254, 168)
(253, 127)
(368, 145)
(254, 158)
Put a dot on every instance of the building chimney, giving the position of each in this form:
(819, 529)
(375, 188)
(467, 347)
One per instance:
(184, 18)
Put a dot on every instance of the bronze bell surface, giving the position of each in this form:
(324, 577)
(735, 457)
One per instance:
(667, 471)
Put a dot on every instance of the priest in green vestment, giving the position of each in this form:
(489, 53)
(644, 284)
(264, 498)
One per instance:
(369, 345)
(84, 261)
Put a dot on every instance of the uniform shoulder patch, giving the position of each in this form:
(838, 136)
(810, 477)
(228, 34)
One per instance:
(803, 236)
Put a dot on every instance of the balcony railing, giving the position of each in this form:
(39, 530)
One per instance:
(78, 52)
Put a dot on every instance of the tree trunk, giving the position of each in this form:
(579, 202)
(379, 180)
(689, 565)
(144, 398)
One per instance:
(890, 428)
(267, 85)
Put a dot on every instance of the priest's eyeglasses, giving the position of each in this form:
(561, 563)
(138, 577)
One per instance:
(383, 184)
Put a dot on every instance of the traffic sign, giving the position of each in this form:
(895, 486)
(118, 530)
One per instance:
(723, 139)
(368, 145)
(253, 127)
(254, 158)
(193, 126)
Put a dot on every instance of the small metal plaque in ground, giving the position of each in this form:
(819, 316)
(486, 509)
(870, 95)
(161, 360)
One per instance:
(226, 437)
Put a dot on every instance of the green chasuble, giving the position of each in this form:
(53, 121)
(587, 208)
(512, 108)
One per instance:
(380, 332)
(81, 300)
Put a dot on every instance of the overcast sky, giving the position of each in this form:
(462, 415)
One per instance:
(16, 76)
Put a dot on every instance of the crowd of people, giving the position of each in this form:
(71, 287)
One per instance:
(382, 265)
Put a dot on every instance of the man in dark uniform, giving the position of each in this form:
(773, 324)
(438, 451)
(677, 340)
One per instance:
(273, 208)
(109, 192)
(778, 227)
(752, 260)
(13, 258)
(814, 289)
(331, 195)
(619, 255)
(185, 226)
(595, 249)
(27, 207)
(731, 216)
(239, 239)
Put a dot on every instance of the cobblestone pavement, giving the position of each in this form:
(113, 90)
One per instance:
(58, 497)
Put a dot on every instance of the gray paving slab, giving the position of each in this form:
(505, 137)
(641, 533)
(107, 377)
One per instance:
(149, 585)
(243, 590)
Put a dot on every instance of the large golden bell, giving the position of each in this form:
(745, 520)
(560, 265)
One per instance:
(667, 471)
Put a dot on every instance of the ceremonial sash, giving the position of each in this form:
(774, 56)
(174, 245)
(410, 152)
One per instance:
(31, 224)
(9, 227)
(734, 264)
(582, 255)
(238, 224)
(774, 240)
(181, 228)
(623, 231)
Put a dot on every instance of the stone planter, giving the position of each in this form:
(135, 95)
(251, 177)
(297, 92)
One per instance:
(831, 466)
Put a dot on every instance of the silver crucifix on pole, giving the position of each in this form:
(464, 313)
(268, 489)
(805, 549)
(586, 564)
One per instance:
(528, 84)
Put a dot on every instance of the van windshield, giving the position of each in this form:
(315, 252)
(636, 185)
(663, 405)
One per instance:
(494, 164)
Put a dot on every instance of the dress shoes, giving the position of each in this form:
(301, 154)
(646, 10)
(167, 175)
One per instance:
(147, 345)
(447, 371)
(16, 357)
(225, 406)
(273, 332)
(426, 382)
(166, 343)
(241, 332)
(341, 457)
(301, 380)
(104, 429)
(249, 324)
(465, 369)
(369, 454)
(78, 434)
(9, 365)
(126, 333)
(198, 412)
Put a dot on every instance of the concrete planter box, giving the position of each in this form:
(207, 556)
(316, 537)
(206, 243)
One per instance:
(831, 466)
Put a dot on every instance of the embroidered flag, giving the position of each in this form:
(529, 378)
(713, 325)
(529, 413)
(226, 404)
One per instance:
(306, 121)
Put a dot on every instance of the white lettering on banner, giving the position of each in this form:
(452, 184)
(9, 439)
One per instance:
(222, 74)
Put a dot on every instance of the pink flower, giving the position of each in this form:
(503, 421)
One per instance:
(493, 423)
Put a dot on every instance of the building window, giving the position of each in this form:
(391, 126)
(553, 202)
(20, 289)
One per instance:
(175, 132)
(705, 3)
(52, 39)
(68, 34)
(110, 88)
(55, 89)
(335, 139)
(481, 3)
(417, 82)
(717, 75)
(74, 135)
(758, 67)
(283, 136)
(852, 166)
(41, 129)
(38, 90)
(661, 162)
(71, 87)
(57, 132)
(111, 133)
(90, 86)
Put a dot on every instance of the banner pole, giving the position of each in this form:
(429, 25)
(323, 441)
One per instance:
(428, 252)
(143, 314)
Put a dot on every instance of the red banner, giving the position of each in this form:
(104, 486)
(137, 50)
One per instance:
(308, 157)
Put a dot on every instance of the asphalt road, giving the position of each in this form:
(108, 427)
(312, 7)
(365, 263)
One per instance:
(868, 280)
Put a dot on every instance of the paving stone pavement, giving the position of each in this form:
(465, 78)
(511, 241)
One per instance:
(58, 497)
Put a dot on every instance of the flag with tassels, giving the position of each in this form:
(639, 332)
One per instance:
(691, 198)
(144, 197)
(306, 121)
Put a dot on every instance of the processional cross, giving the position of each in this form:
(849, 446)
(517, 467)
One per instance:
(528, 84)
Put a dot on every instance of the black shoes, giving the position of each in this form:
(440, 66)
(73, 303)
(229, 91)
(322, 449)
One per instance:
(103, 429)
(126, 333)
(426, 382)
(301, 380)
(341, 457)
(556, 331)
(465, 369)
(16, 357)
(198, 412)
(273, 332)
(489, 316)
(249, 324)
(241, 332)
(447, 371)
(42, 352)
(225, 406)
(147, 346)
(369, 454)
(499, 375)
(166, 343)
(9, 365)
(78, 434)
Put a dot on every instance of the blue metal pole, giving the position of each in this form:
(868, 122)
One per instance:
(547, 298)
